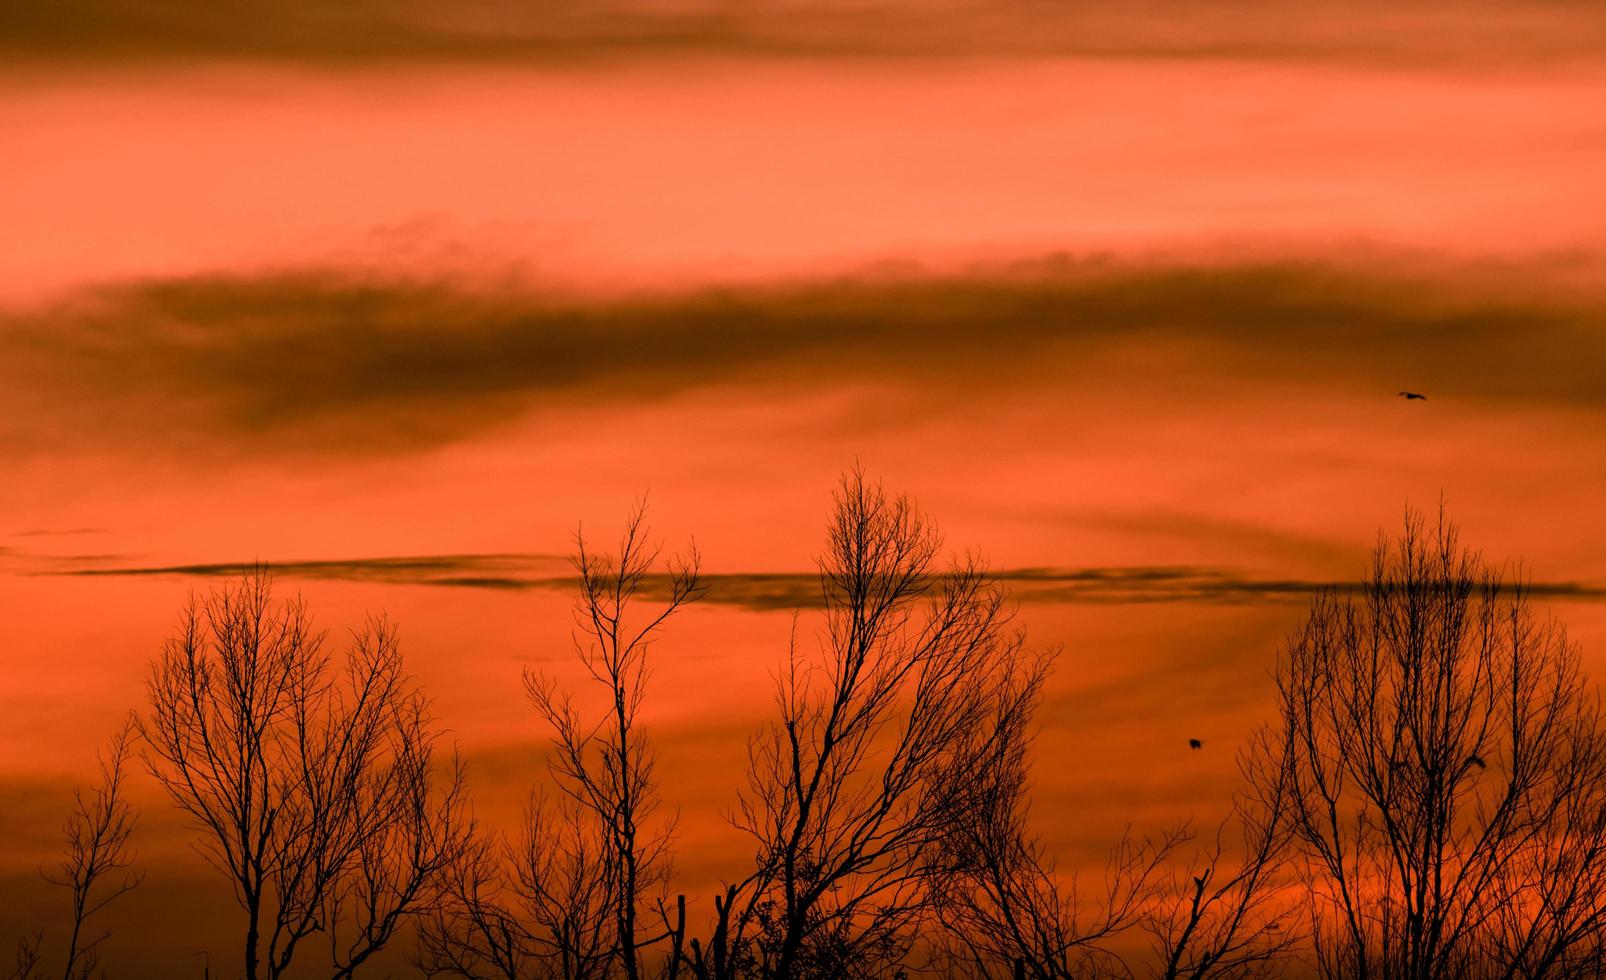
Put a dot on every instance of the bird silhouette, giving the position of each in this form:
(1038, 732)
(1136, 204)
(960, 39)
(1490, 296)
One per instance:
(1477, 760)
(1410, 395)
(1194, 743)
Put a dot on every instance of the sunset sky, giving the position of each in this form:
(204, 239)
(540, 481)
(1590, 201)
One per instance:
(395, 295)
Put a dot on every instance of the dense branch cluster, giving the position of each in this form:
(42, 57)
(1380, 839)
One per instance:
(1447, 774)
(311, 783)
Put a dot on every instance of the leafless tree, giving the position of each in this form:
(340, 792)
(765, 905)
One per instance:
(579, 894)
(1004, 909)
(97, 848)
(1213, 911)
(27, 958)
(882, 739)
(1447, 774)
(1227, 912)
(1011, 913)
(534, 907)
(605, 766)
(314, 785)
(470, 933)
(95, 866)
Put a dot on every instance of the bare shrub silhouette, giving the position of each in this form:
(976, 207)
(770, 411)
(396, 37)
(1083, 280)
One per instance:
(882, 739)
(313, 785)
(95, 865)
(1447, 774)
(580, 892)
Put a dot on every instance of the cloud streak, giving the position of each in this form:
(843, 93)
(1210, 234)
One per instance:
(365, 364)
(487, 570)
(776, 591)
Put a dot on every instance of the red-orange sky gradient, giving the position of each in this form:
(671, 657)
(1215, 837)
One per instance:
(1124, 294)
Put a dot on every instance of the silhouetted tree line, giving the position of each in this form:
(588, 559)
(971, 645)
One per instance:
(1429, 800)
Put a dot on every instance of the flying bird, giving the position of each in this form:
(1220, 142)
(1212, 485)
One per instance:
(1194, 743)
(1409, 395)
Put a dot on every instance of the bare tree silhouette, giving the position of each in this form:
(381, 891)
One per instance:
(1429, 802)
(606, 767)
(573, 895)
(97, 837)
(530, 908)
(1008, 911)
(537, 907)
(1001, 906)
(95, 863)
(1447, 774)
(881, 741)
(1226, 911)
(313, 786)
(27, 957)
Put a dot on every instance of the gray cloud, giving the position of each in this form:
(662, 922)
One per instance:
(365, 364)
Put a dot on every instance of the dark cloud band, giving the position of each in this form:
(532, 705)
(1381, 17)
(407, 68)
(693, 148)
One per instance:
(327, 360)
(504, 31)
(801, 590)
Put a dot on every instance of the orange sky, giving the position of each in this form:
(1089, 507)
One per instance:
(1101, 291)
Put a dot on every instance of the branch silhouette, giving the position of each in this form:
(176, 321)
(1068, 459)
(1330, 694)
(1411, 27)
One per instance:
(311, 782)
(573, 895)
(1427, 801)
(1447, 774)
(96, 862)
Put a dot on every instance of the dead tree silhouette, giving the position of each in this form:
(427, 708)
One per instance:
(1448, 774)
(313, 787)
(881, 740)
(573, 895)
(605, 768)
(94, 868)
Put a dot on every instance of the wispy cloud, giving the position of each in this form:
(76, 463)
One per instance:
(374, 365)
(768, 591)
(485, 570)
(1223, 535)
